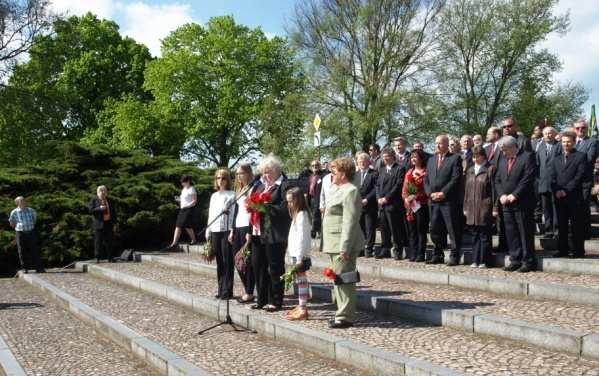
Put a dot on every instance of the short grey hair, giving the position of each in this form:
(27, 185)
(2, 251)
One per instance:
(271, 161)
(443, 137)
(19, 199)
(101, 188)
(508, 142)
(362, 154)
(549, 128)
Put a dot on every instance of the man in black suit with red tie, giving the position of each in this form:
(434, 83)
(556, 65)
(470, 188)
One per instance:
(492, 148)
(567, 177)
(391, 209)
(442, 182)
(514, 183)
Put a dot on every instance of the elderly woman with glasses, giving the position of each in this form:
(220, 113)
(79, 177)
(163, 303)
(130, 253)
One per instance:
(342, 238)
(270, 231)
(218, 230)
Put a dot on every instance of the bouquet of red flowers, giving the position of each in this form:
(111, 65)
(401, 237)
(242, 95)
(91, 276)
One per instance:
(412, 191)
(256, 204)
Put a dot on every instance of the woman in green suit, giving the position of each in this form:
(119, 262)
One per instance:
(342, 237)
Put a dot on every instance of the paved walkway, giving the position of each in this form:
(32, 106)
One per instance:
(47, 340)
(221, 351)
(467, 353)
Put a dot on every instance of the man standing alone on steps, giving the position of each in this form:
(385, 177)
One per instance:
(22, 219)
(104, 218)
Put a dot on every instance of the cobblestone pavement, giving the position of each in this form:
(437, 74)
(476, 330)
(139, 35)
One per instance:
(47, 340)
(565, 315)
(570, 279)
(464, 352)
(220, 351)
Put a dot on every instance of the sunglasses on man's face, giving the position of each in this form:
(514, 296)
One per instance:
(508, 126)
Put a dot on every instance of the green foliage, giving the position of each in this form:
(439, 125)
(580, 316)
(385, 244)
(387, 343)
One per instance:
(59, 189)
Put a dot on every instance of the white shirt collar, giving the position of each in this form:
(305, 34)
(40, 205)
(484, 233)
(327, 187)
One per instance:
(279, 181)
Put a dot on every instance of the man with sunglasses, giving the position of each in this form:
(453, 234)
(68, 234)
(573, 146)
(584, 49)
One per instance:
(376, 161)
(511, 129)
(588, 146)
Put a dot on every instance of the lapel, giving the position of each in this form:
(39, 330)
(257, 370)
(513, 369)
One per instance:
(482, 169)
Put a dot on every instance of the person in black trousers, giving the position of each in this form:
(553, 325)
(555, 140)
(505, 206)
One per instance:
(442, 182)
(417, 218)
(567, 177)
(365, 179)
(103, 220)
(588, 146)
(547, 150)
(514, 184)
(240, 232)
(391, 209)
(270, 232)
(23, 219)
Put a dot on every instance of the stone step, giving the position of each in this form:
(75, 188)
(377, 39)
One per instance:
(221, 351)
(439, 345)
(47, 339)
(551, 325)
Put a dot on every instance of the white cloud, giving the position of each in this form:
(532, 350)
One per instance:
(578, 50)
(148, 24)
(102, 8)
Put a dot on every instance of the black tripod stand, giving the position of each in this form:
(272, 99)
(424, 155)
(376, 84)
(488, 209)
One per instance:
(228, 320)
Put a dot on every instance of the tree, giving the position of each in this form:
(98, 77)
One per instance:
(364, 55)
(485, 48)
(20, 23)
(67, 79)
(227, 85)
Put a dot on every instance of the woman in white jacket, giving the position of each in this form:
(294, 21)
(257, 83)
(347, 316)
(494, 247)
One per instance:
(298, 247)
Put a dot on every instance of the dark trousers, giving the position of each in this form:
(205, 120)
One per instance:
(585, 210)
(103, 242)
(29, 254)
(445, 221)
(568, 213)
(393, 228)
(224, 263)
(549, 212)
(268, 261)
(481, 244)
(247, 277)
(417, 230)
(519, 233)
(368, 225)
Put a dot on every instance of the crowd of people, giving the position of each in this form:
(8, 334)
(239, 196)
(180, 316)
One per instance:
(510, 185)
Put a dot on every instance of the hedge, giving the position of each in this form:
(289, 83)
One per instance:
(59, 188)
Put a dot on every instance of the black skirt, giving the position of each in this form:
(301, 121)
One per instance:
(185, 218)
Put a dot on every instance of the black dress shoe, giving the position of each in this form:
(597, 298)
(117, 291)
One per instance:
(257, 306)
(560, 254)
(341, 324)
(272, 308)
(524, 269)
(435, 260)
(512, 267)
(419, 259)
(452, 261)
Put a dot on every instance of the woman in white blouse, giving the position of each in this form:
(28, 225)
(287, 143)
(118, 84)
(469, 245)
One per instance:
(185, 218)
(221, 202)
(240, 233)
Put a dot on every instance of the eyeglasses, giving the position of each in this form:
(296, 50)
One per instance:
(508, 126)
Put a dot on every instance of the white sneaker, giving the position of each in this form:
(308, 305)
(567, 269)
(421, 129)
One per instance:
(473, 265)
(482, 266)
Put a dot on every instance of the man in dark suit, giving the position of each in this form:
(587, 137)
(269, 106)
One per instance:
(365, 179)
(547, 150)
(374, 151)
(492, 148)
(313, 196)
(402, 155)
(103, 220)
(466, 143)
(567, 176)
(511, 129)
(419, 145)
(588, 146)
(390, 204)
(514, 183)
(442, 182)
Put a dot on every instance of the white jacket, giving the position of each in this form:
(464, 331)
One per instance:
(299, 241)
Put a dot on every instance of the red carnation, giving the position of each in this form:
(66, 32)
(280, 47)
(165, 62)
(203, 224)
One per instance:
(330, 274)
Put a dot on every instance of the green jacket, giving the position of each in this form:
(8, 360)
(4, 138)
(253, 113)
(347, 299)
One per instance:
(341, 223)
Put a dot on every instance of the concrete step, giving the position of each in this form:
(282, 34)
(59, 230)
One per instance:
(439, 345)
(550, 325)
(46, 338)
(222, 351)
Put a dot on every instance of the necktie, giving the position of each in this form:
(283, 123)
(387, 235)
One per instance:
(510, 164)
(578, 142)
(439, 162)
(363, 177)
(565, 158)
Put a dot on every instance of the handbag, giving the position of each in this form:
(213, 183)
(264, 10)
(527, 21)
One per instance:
(347, 278)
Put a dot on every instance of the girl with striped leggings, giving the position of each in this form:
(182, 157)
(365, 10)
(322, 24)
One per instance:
(298, 247)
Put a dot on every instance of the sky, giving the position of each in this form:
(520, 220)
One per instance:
(148, 21)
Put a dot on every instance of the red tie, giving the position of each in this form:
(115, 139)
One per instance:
(510, 164)
(492, 152)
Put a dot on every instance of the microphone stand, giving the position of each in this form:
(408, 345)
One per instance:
(228, 320)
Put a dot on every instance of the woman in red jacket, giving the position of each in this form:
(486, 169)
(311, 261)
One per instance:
(416, 203)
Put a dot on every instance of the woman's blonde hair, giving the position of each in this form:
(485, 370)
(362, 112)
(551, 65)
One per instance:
(227, 175)
(239, 185)
(345, 166)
